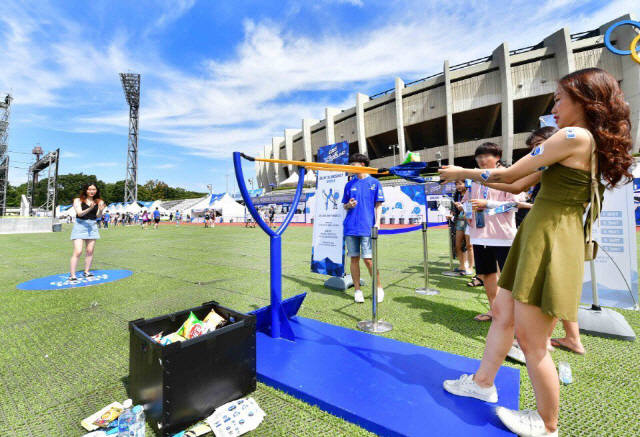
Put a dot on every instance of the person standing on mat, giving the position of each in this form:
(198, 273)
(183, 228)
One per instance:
(88, 207)
(490, 235)
(531, 184)
(363, 200)
(542, 277)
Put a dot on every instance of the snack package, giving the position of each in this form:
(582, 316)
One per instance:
(171, 338)
(185, 329)
(411, 157)
(107, 417)
(89, 424)
(214, 321)
(197, 329)
(157, 337)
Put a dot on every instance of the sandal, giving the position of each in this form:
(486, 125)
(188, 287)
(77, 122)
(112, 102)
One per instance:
(475, 282)
(88, 274)
(483, 318)
(557, 343)
(72, 279)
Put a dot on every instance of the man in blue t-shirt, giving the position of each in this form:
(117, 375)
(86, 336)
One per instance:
(105, 219)
(362, 199)
(156, 218)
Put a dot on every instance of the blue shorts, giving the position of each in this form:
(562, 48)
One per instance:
(85, 230)
(358, 246)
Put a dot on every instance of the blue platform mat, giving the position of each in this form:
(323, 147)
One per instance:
(386, 386)
(61, 281)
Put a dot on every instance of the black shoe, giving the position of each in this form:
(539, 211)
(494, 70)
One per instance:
(88, 274)
(74, 279)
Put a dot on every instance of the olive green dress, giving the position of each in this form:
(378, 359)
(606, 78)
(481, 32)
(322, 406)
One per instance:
(545, 266)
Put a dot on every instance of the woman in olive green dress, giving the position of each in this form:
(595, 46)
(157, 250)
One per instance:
(542, 277)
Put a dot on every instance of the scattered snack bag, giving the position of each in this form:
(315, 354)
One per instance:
(171, 338)
(185, 329)
(107, 417)
(157, 337)
(89, 422)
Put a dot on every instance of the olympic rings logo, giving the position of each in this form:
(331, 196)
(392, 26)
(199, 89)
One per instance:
(634, 47)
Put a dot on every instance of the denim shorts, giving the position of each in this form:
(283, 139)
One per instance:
(85, 230)
(358, 246)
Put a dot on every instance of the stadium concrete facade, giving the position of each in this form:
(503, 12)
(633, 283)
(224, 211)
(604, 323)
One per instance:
(497, 98)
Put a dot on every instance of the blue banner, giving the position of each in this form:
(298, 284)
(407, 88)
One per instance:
(327, 251)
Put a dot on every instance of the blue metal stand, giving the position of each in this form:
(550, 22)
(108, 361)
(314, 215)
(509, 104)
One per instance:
(279, 326)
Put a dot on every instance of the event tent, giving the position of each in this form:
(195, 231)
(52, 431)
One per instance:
(292, 181)
(228, 208)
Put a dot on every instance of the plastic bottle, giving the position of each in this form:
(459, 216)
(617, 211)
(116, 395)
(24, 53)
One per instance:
(127, 420)
(564, 372)
(140, 421)
(468, 210)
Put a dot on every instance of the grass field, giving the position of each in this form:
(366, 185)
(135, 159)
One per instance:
(64, 354)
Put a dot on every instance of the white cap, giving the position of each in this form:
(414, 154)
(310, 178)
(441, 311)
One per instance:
(127, 404)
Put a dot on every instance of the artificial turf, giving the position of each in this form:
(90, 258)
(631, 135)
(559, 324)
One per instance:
(64, 354)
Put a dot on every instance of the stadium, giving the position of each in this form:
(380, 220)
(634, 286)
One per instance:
(498, 98)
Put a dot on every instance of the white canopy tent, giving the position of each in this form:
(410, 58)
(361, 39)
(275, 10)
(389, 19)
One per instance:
(292, 181)
(133, 208)
(229, 208)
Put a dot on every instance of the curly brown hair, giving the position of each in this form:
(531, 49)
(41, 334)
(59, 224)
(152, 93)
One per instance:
(607, 115)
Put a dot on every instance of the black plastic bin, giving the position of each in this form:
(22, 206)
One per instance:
(183, 382)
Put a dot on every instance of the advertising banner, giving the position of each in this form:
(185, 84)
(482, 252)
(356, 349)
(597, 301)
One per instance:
(327, 252)
(616, 263)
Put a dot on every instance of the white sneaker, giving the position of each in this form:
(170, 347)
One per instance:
(525, 423)
(516, 354)
(358, 296)
(466, 386)
(380, 294)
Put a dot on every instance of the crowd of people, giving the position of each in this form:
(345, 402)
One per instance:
(144, 219)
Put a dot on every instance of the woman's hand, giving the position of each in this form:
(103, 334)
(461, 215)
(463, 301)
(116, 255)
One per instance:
(478, 204)
(101, 205)
(459, 206)
(450, 173)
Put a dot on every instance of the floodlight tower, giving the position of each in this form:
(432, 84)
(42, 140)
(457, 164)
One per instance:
(5, 105)
(131, 86)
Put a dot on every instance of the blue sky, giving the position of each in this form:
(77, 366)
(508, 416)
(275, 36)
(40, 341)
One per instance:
(219, 76)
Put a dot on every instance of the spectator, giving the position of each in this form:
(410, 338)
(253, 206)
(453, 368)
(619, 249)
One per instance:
(363, 200)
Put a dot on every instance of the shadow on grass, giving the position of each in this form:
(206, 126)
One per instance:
(452, 317)
(317, 288)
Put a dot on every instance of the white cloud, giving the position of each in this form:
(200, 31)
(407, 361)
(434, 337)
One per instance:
(174, 9)
(68, 155)
(164, 166)
(105, 164)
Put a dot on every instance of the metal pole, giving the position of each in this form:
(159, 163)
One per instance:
(276, 284)
(594, 286)
(450, 272)
(426, 290)
(374, 325)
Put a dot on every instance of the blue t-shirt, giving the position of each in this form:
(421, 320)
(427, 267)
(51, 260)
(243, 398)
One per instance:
(106, 217)
(367, 192)
(156, 214)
